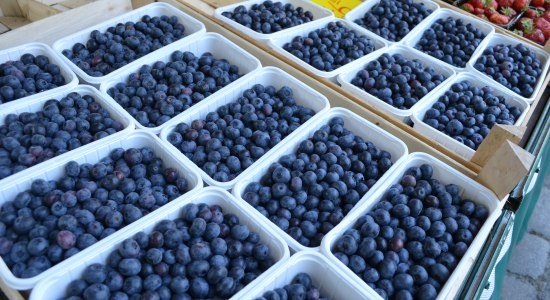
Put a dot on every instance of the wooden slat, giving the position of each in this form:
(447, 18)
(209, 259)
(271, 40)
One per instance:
(60, 25)
(38, 11)
(60, 7)
(13, 23)
(220, 3)
(140, 3)
(3, 28)
(24, 5)
(10, 8)
(75, 3)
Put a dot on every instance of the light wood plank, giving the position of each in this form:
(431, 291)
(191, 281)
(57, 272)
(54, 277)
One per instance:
(60, 7)
(140, 3)
(38, 11)
(13, 22)
(3, 28)
(75, 3)
(10, 8)
(498, 135)
(60, 25)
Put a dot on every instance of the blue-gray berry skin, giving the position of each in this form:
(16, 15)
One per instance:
(159, 92)
(173, 261)
(269, 16)
(514, 66)
(119, 45)
(56, 219)
(394, 19)
(330, 47)
(302, 286)
(416, 257)
(310, 191)
(451, 40)
(61, 125)
(227, 141)
(27, 76)
(397, 80)
(467, 113)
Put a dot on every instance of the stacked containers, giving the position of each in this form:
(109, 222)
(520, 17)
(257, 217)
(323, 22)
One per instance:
(193, 28)
(303, 94)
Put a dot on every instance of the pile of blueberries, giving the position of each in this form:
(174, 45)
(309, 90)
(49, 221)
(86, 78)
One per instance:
(269, 17)
(467, 113)
(301, 287)
(411, 241)
(120, 45)
(451, 40)
(159, 92)
(27, 76)
(54, 220)
(394, 19)
(309, 192)
(330, 47)
(396, 80)
(232, 138)
(515, 67)
(30, 138)
(204, 254)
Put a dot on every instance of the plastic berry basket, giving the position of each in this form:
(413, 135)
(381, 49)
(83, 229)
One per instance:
(54, 287)
(469, 189)
(416, 34)
(402, 114)
(359, 12)
(326, 276)
(15, 53)
(303, 94)
(278, 42)
(53, 171)
(447, 141)
(541, 54)
(193, 28)
(214, 43)
(318, 12)
(36, 104)
(354, 123)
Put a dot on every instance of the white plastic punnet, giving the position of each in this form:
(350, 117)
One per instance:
(193, 28)
(412, 39)
(278, 43)
(354, 123)
(219, 46)
(54, 171)
(359, 12)
(541, 54)
(402, 114)
(303, 94)
(55, 286)
(319, 13)
(37, 104)
(447, 175)
(447, 141)
(331, 281)
(35, 49)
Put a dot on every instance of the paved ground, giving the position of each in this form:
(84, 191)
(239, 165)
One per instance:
(528, 275)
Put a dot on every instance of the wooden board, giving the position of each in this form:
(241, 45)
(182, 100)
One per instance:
(60, 25)
(13, 23)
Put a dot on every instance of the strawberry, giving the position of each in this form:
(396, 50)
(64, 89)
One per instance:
(468, 7)
(536, 36)
(520, 5)
(509, 12)
(479, 12)
(505, 3)
(490, 4)
(477, 3)
(546, 16)
(489, 12)
(518, 32)
(530, 13)
(499, 19)
(537, 3)
(546, 34)
(542, 24)
(524, 24)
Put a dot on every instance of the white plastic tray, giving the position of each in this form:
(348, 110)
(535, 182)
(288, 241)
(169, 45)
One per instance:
(331, 281)
(447, 141)
(469, 190)
(192, 28)
(278, 42)
(36, 104)
(318, 12)
(541, 54)
(359, 12)
(303, 94)
(214, 43)
(359, 126)
(415, 35)
(35, 49)
(55, 286)
(402, 114)
(55, 170)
